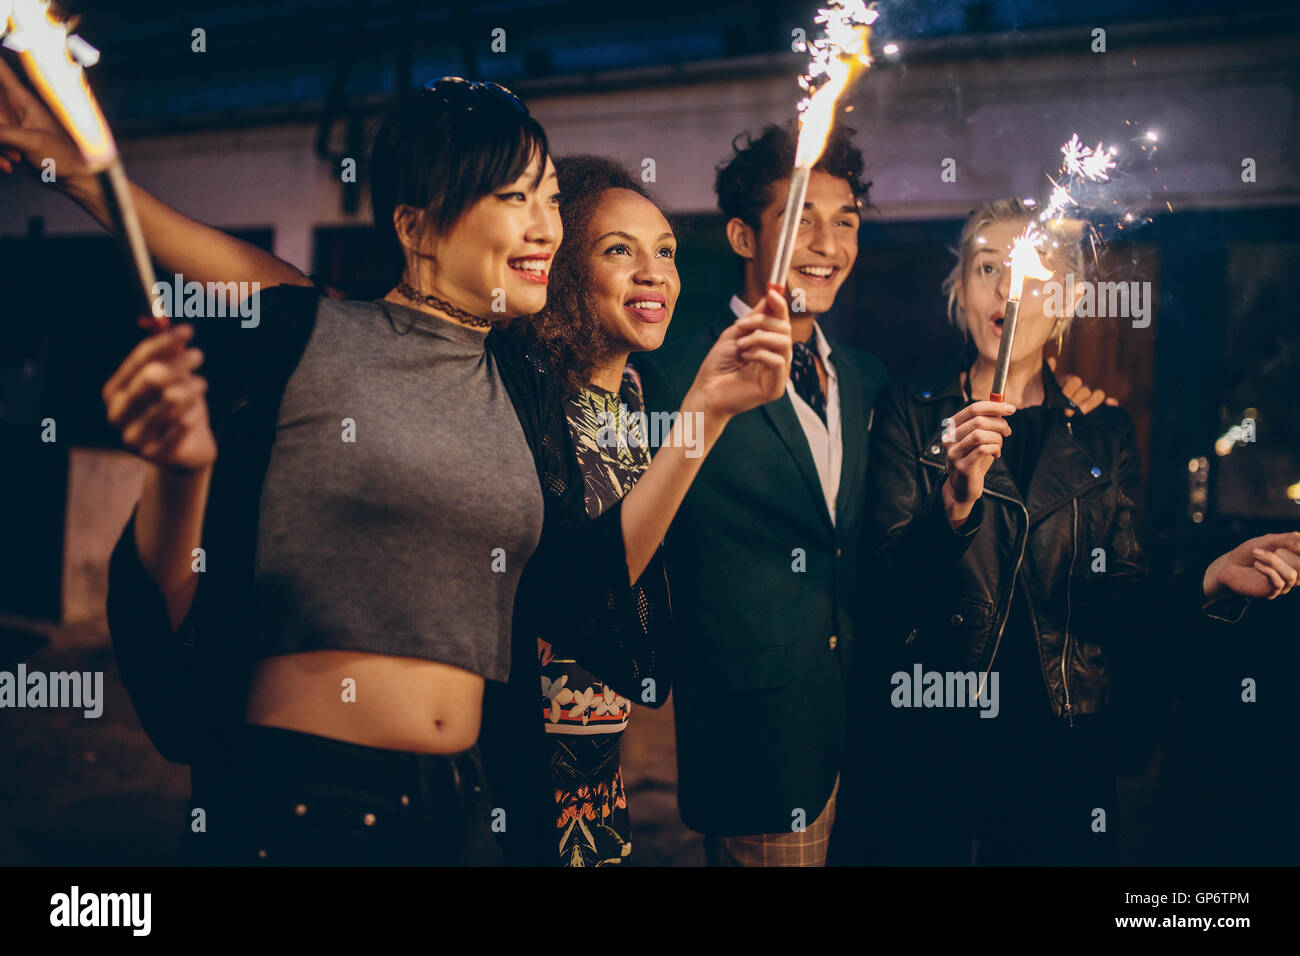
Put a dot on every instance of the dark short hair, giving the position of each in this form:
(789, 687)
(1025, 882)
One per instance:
(744, 181)
(435, 154)
(569, 327)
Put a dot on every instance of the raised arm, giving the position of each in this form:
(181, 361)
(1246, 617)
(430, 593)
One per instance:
(179, 244)
(748, 366)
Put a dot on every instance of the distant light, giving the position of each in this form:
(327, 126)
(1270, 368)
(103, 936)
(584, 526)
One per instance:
(1237, 434)
(1294, 492)
(1151, 135)
(890, 49)
(1193, 464)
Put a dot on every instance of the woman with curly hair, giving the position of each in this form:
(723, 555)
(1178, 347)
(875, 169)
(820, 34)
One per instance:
(613, 287)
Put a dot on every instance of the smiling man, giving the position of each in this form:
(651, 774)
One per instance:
(763, 557)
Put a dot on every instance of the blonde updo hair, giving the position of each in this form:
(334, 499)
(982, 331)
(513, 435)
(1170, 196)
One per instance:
(1064, 257)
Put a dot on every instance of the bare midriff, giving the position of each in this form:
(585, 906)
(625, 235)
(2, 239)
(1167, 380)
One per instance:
(376, 700)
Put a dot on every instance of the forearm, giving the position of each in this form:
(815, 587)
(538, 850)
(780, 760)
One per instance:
(1124, 606)
(649, 508)
(181, 245)
(168, 527)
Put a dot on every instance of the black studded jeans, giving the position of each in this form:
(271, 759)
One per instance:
(280, 797)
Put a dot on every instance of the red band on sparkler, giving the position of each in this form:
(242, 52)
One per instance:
(997, 396)
(151, 324)
(778, 287)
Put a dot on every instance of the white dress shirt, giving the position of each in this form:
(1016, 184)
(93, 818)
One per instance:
(823, 439)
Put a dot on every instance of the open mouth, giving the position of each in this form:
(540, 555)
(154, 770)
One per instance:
(530, 268)
(818, 275)
(997, 321)
(651, 307)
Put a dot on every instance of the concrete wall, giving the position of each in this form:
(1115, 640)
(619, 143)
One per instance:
(1001, 116)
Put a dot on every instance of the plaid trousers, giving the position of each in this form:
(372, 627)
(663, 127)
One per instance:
(805, 847)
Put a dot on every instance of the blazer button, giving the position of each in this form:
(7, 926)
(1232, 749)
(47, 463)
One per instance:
(934, 449)
(839, 552)
(833, 641)
(956, 619)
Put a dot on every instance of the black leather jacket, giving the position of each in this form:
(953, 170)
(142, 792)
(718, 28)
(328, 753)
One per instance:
(950, 592)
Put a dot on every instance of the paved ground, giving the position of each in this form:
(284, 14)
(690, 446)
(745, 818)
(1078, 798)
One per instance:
(94, 791)
(76, 791)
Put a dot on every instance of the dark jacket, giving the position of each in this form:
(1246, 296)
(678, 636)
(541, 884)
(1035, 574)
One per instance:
(189, 687)
(949, 594)
(765, 653)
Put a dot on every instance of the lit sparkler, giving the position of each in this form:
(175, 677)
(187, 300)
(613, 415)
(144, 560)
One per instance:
(1025, 264)
(54, 61)
(1080, 166)
(838, 57)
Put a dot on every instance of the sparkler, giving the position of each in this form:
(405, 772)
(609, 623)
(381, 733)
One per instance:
(54, 61)
(838, 57)
(1025, 264)
(1080, 164)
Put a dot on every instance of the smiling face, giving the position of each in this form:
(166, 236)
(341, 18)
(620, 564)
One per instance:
(498, 253)
(982, 296)
(632, 270)
(826, 245)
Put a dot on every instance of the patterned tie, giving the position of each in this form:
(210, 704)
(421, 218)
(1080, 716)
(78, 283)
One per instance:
(803, 373)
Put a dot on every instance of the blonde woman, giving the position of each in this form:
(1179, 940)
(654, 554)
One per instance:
(987, 516)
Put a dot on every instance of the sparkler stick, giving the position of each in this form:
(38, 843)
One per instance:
(838, 58)
(54, 61)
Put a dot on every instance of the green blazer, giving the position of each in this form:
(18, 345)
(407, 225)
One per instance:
(765, 602)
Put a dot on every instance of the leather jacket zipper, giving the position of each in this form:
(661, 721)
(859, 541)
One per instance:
(1069, 586)
(1011, 591)
(1015, 573)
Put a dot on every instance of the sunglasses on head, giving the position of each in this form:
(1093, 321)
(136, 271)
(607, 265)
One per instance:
(460, 93)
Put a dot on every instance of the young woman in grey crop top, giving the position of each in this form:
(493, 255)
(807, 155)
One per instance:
(416, 501)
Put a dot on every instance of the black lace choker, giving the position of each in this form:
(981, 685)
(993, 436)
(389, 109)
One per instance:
(460, 315)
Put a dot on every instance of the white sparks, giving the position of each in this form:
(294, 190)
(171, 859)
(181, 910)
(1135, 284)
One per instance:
(1074, 153)
(836, 56)
(1025, 262)
(1060, 201)
(1085, 161)
(1101, 161)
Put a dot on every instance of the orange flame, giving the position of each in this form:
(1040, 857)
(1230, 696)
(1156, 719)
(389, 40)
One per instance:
(1025, 264)
(41, 41)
